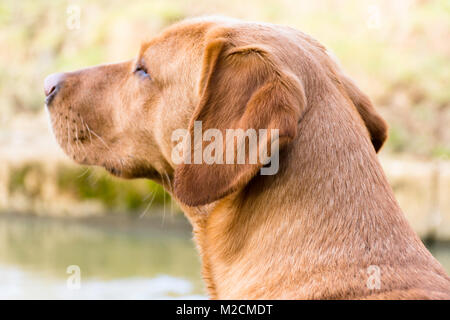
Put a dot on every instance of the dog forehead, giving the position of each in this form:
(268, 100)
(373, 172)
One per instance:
(173, 40)
(189, 30)
(194, 33)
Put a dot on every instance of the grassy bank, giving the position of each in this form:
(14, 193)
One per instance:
(395, 50)
(63, 189)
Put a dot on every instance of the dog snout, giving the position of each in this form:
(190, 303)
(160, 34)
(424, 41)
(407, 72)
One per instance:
(52, 83)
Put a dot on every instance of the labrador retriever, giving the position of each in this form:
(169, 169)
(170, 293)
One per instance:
(326, 225)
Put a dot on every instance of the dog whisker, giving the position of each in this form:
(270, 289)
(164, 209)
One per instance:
(153, 194)
(87, 129)
(100, 138)
(164, 200)
(84, 173)
(170, 190)
(69, 145)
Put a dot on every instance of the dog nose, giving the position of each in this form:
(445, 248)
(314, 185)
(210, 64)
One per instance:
(52, 82)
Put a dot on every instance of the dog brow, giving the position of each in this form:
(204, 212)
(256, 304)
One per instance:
(145, 45)
(142, 49)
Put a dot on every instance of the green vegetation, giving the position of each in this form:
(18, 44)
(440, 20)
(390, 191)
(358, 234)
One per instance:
(115, 194)
(397, 51)
(36, 184)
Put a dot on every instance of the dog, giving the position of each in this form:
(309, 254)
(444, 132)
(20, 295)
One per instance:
(325, 226)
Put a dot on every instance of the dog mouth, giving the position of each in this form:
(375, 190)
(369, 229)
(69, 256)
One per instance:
(81, 143)
(73, 134)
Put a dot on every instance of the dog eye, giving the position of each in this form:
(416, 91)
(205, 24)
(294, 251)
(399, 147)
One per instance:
(142, 72)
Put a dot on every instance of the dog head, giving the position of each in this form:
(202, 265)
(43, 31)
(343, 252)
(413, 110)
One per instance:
(225, 73)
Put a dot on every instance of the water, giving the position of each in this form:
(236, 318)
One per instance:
(118, 258)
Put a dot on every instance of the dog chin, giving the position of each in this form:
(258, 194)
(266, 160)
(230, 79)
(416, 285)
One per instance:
(82, 157)
(114, 171)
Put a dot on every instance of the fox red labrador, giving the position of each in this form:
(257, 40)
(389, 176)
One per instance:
(326, 225)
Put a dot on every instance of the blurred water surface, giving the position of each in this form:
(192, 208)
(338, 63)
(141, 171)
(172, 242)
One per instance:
(118, 258)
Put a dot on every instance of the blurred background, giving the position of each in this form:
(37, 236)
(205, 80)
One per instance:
(60, 222)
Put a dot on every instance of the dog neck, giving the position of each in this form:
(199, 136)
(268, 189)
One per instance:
(327, 215)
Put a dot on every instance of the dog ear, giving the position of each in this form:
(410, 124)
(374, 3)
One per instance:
(375, 124)
(241, 88)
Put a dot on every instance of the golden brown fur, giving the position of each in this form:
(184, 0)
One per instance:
(308, 232)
